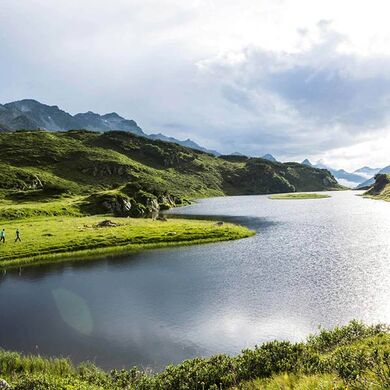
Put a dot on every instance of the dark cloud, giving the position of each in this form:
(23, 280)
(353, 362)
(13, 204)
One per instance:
(305, 102)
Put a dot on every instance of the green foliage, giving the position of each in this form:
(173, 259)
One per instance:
(355, 356)
(345, 335)
(295, 382)
(84, 162)
(299, 196)
(381, 188)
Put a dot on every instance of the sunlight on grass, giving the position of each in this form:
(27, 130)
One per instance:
(295, 196)
(47, 239)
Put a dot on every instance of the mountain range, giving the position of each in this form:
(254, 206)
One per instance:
(354, 179)
(371, 181)
(30, 114)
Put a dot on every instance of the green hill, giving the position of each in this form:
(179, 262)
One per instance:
(381, 188)
(125, 174)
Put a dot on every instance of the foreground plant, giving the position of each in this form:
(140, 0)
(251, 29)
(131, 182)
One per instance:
(355, 355)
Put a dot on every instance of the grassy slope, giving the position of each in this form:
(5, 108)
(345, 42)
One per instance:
(77, 173)
(86, 162)
(381, 188)
(299, 196)
(58, 238)
(354, 356)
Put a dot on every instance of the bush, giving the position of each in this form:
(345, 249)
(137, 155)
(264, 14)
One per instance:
(355, 355)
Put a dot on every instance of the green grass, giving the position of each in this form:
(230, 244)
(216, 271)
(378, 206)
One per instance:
(354, 356)
(305, 195)
(84, 162)
(32, 207)
(296, 382)
(50, 239)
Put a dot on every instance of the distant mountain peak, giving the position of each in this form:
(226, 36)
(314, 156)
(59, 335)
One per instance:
(368, 170)
(269, 157)
(307, 162)
(30, 114)
(28, 101)
(188, 143)
(371, 181)
(112, 115)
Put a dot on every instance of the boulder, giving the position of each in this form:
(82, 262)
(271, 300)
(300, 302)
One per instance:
(109, 203)
(118, 206)
(106, 223)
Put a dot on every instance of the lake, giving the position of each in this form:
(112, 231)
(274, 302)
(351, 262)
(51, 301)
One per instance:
(312, 263)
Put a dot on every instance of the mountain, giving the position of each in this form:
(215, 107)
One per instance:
(110, 169)
(112, 121)
(30, 114)
(367, 172)
(371, 181)
(187, 143)
(307, 162)
(269, 157)
(345, 178)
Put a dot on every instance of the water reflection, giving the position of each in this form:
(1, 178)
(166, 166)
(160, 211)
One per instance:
(320, 262)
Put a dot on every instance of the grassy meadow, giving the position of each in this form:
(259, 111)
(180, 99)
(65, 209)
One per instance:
(56, 186)
(297, 196)
(58, 238)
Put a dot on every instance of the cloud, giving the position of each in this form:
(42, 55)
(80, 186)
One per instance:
(304, 102)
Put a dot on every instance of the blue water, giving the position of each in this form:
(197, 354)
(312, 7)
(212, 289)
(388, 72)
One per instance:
(312, 262)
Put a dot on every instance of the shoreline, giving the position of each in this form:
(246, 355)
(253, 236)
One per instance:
(339, 357)
(89, 242)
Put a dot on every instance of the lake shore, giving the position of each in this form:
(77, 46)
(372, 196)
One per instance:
(343, 357)
(58, 239)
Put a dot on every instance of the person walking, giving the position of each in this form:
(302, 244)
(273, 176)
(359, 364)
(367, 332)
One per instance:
(2, 236)
(18, 236)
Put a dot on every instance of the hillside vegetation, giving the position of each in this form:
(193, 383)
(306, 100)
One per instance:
(381, 188)
(299, 196)
(351, 357)
(120, 173)
(55, 239)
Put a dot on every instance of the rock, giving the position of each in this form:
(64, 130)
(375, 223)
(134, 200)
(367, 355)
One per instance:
(144, 205)
(166, 202)
(118, 206)
(106, 223)
(4, 385)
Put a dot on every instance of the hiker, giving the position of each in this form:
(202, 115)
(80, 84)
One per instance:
(18, 236)
(2, 236)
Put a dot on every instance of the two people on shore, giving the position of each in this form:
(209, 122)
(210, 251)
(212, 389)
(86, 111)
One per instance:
(2, 236)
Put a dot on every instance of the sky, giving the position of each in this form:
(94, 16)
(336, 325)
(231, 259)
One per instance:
(295, 78)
